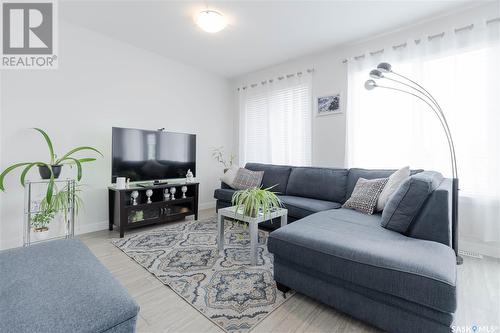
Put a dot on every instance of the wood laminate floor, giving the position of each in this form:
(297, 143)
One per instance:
(163, 311)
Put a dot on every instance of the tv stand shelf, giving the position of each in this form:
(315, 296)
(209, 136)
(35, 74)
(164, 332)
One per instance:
(125, 215)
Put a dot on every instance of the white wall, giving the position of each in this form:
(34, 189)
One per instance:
(102, 83)
(330, 76)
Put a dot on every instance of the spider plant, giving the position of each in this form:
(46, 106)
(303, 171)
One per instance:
(60, 203)
(51, 169)
(256, 200)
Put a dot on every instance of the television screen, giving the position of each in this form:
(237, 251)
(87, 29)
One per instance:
(152, 155)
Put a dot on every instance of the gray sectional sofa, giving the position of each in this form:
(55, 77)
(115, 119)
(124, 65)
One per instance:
(346, 259)
(59, 287)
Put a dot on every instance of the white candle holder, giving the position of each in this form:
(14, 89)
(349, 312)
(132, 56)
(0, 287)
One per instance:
(134, 195)
(149, 193)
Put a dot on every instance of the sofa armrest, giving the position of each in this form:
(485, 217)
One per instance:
(225, 186)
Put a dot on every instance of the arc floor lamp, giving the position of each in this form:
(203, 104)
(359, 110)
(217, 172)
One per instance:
(405, 85)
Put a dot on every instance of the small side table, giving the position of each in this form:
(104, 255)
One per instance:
(253, 223)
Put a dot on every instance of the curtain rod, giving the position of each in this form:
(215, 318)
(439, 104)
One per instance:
(430, 37)
(281, 77)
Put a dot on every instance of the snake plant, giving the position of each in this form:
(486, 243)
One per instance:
(66, 159)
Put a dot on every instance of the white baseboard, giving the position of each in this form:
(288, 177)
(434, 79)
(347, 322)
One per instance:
(491, 249)
(207, 205)
(85, 228)
(10, 244)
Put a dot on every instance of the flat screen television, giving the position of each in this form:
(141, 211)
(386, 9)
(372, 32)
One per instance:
(144, 155)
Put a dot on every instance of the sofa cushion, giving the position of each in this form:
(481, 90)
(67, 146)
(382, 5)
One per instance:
(404, 204)
(60, 286)
(300, 207)
(224, 194)
(352, 246)
(318, 183)
(395, 179)
(274, 175)
(433, 222)
(229, 176)
(356, 173)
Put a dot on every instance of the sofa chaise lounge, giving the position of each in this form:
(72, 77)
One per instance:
(346, 259)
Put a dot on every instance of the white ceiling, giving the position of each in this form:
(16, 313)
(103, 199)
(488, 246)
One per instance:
(260, 34)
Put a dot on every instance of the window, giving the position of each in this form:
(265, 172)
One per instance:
(390, 130)
(275, 122)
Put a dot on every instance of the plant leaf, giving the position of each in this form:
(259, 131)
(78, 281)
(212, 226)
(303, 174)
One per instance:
(74, 150)
(9, 169)
(78, 166)
(85, 160)
(49, 144)
(50, 188)
(28, 168)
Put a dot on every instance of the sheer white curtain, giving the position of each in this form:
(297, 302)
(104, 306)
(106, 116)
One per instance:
(275, 121)
(388, 129)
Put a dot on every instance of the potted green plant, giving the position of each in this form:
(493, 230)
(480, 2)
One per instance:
(51, 169)
(41, 220)
(256, 200)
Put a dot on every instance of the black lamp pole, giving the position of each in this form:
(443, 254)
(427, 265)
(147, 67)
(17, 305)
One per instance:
(419, 92)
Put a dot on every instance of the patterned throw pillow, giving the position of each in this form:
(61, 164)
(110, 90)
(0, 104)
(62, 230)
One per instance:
(247, 179)
(365, 195)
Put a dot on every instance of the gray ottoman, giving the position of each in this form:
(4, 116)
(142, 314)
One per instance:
(60, 286)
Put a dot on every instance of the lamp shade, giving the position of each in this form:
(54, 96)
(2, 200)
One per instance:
(370, 84)
(211, 21)
(384, 67)
(376, 74)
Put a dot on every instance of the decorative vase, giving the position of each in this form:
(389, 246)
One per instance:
(149, 193)
(189, 176)
(134, 195)
(166, 195)
(172, 192)
(184, 190)
(45, 171)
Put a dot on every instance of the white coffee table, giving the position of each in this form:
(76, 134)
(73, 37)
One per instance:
(253, 223)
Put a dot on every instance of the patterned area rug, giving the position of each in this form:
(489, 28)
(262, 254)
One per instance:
(226, 289)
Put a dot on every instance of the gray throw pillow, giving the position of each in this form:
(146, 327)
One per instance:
(365, 195)
(404, 204)
(247, 179)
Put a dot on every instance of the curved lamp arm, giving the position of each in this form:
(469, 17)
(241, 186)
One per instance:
(439, 112)
(441, 121)
(427, 94)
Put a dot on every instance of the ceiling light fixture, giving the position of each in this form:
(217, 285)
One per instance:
(211, 21)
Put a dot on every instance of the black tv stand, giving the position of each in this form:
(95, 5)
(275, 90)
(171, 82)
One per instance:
(126, 215)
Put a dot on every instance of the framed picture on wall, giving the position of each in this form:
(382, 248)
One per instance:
(327, 105)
